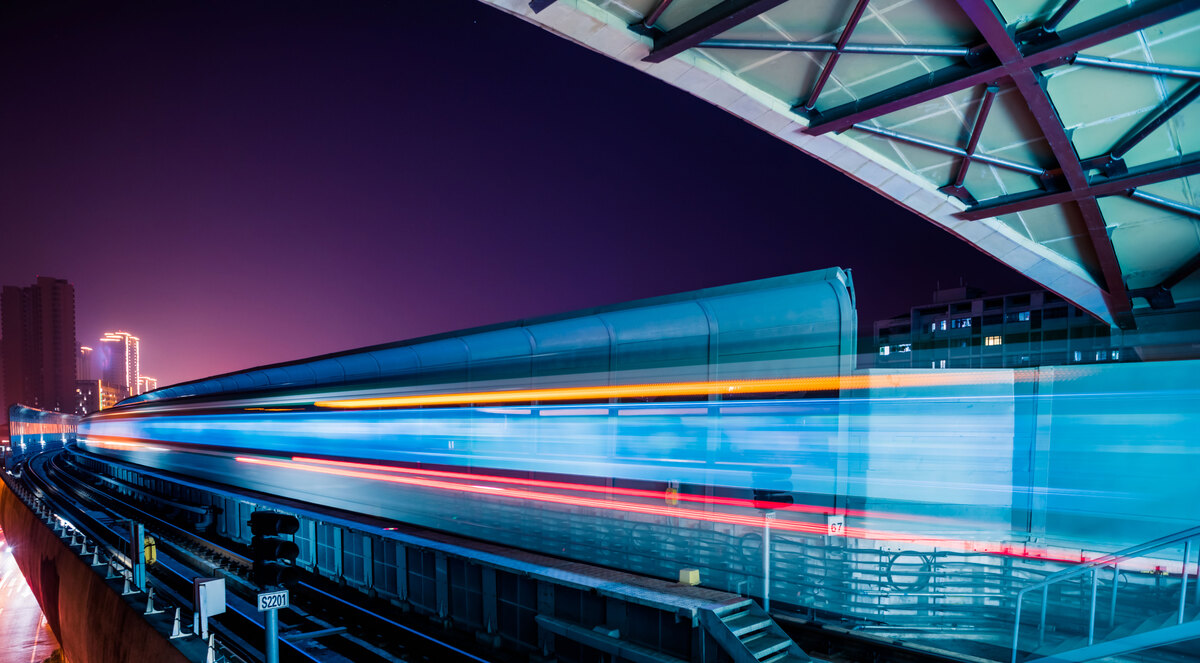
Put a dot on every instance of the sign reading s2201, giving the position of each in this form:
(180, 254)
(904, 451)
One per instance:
(273, 600)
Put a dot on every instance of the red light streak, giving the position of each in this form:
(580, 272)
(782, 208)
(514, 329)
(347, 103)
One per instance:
(563, 485)
(1012, 550)
(517, 493)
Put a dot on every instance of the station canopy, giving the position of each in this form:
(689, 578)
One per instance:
(1058, 136)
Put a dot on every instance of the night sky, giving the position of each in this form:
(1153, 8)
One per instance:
(245, 183)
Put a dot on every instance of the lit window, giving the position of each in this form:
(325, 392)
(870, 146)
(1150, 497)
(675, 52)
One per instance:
(933, 327)
(943, 325)
(885, 350)
(1023, 316)
(907, 347)
(992, 340)
(1116, 354)
(1100, 356)
(1078, 356)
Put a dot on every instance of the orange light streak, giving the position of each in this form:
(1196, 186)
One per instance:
(722, 387)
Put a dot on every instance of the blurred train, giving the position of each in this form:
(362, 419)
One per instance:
(701, 409)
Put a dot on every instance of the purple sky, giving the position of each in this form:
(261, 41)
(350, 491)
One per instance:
(240, 184)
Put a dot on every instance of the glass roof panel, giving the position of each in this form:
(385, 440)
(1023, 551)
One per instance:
(1023, 12)
(680, 11)
(865, 74)
(781, 74)
(1185, 190)
(816, 21)
(1014, 221)
(1098, 107)
(1152, 243)
(1085, 11)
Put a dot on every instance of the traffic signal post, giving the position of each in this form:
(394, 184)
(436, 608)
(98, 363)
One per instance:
(274, 559)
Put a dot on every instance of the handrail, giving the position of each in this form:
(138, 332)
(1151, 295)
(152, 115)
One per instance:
(1117, 557)
(1114, 560)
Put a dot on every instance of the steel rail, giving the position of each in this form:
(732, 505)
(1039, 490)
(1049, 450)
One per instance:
(242, 560)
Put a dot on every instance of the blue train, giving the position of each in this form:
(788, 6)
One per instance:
(696, 410)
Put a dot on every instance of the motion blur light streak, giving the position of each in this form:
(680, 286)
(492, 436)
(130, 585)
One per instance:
(629, 507)
(610, 490)
(610, 505)
(720, 387)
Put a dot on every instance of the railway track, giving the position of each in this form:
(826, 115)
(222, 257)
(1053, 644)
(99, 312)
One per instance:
(325, 622)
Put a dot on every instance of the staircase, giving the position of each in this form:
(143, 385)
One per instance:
(748, 634)
(1157, 608)
(1156, 631)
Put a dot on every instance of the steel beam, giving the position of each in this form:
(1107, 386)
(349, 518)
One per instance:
(843, 39)
(706, 25)
(1185, 270)
(1158, 171)
(990, 24)
(1139, 67)
(1159, 296)
(1161, 116)
(989, 68)
(819, 47)
(1165, 203)
(951, 149)
(985, 107)
(1051, 24)
(657, 13)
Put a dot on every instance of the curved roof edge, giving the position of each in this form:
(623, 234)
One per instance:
(596, 30)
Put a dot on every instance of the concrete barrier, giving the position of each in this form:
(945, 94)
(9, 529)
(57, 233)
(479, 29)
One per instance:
(92, 622)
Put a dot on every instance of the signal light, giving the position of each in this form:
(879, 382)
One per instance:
(274, 558)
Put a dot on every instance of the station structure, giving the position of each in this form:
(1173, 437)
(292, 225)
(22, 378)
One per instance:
(1056, 136)
(709, 476)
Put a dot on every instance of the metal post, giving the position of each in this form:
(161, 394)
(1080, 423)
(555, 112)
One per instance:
(272, 644)
(1017, 626)
(1198, 579)
(200, 622)
(1187, 552)
(768, 516)
(1112, 610)
(137, 534)
(1092, 617)
(1042, 622)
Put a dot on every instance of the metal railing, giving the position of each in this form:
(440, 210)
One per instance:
(1113, 561)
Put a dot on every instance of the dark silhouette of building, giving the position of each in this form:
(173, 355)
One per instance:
(963, 328)
(37, 345)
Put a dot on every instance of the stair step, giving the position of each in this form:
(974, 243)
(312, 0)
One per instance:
(740, 606)
(763, 644)
(745, 623)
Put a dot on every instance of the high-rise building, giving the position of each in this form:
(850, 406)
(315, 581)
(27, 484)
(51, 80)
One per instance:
(146, 383)
(83, 365)
(121, 364)
(96, 395)
(87, 393)
(963, 328)
(37, 345)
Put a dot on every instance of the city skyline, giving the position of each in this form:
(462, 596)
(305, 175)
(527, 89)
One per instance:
(41, 363)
